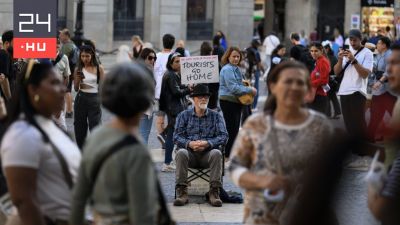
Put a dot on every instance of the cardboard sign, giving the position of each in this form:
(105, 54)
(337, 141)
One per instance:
(199, 69)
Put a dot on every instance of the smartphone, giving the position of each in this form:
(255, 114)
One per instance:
(81, 74)
(346, 47)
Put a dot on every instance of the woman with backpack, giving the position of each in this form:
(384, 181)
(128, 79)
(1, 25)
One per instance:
(117, 174)
(172, 102)
(40, 160)
(87, 77)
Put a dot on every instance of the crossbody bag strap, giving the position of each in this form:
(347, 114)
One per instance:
(64, 165)
(348, 63)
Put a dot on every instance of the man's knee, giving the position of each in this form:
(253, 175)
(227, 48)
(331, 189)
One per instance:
(215, 154)
(182, 155)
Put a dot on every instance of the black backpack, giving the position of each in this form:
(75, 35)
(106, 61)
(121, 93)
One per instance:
(306, 58)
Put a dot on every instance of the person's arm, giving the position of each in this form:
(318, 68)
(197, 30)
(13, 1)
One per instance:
(5, 86)
(323, 78)
(180, 134)
(242, 156)
(221, 135)
(80, 196)
(142, 190)
(175, 89)
(67, 71)
(22, 188)
(102, 74)
(77, 79)
(235, 87)
(363, 68)
(339, 65)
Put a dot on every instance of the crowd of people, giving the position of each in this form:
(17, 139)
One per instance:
(51, 178)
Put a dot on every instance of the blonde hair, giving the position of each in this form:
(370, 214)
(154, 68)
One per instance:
(137, 38)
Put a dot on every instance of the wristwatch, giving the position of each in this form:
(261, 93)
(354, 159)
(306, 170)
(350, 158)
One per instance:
(354, 62)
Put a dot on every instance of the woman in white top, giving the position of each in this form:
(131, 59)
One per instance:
(87, 103)
(40, 161)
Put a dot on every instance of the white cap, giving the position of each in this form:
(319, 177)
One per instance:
(327, 42)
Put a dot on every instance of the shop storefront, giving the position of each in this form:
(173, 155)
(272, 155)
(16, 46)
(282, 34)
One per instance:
(377, 15)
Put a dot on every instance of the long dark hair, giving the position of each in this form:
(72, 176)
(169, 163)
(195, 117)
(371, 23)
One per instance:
(33, 74)
(89, 49)
(171, 58)
(270, 104)
(276, 50)
(146, 52)
(319, 46)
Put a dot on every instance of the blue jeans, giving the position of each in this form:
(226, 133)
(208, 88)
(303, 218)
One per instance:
(145, 127)
(256, 86)
(169, 144)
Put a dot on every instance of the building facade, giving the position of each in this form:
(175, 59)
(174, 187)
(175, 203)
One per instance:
(112, 22)
(287, 16)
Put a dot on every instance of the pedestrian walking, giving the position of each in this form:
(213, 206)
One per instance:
(333, 84)
(354, 65)
(87, 77)
(300, 53)
(218, 49)
(320, 79)
(148, 56)
(382, 100)
(172, 102)
(230, 88)
(160, 68)
(338, 37)
(137, 47)
(69, 49)
(223, 41)
(255, 67)
(7, 74)
(117, 174)
(40, 160)
(61, 64)
(273, 148)
(270, 43)
(181, 44)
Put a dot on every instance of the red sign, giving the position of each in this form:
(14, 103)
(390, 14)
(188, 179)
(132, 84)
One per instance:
(35, 47)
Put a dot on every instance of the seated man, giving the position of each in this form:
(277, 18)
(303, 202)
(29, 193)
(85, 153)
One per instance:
(198, 133)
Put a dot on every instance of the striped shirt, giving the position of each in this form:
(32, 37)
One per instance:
(392, 185)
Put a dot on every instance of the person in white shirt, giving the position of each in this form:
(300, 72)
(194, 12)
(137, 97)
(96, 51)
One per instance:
(160, 67)
(354, 65)
(338, 37)
(270, 43)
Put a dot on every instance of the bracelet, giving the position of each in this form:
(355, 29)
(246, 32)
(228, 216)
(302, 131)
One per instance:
(354, 62)
(380, 81)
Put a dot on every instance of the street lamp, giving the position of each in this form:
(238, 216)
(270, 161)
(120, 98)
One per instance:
(78, 34)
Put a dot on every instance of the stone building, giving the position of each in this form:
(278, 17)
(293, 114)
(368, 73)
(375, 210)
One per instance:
(112, 22)
(286, 16)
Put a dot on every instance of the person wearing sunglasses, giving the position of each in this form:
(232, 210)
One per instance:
(87, 77)
(149, 58)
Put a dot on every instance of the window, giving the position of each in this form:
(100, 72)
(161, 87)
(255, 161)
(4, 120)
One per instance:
(128, 18)
(62, 14)
(200, 14)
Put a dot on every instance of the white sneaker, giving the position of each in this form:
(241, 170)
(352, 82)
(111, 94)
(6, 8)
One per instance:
(360, 163)
(167, 168)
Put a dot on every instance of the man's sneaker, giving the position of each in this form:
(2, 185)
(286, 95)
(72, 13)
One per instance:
(69, 115)
(168, 168)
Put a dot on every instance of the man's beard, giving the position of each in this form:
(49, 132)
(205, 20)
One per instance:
(203, 105)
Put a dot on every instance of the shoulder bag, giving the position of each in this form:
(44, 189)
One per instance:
(246, 99)
(339, 77)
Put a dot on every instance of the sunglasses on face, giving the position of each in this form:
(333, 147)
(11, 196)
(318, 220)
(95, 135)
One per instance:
(151, 58)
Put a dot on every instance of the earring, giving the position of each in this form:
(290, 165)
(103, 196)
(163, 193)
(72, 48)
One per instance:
(36, 98)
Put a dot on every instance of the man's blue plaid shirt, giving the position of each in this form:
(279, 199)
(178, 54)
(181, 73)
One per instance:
(210, 127)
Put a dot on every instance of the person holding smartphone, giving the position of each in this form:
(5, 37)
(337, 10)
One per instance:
(354, 65)
(87, 109)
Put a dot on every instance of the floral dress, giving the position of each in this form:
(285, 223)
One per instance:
(265, 151)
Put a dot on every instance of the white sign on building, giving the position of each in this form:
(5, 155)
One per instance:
(199, 69)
